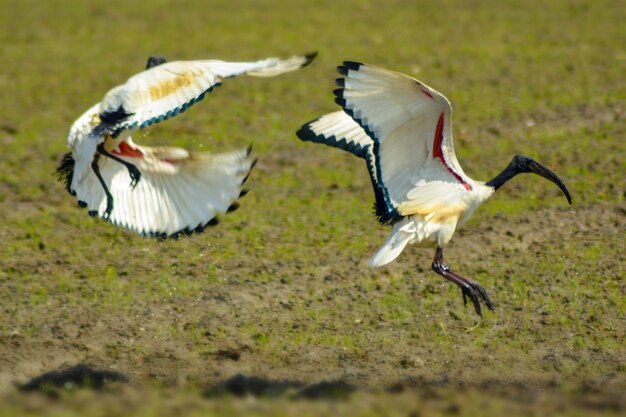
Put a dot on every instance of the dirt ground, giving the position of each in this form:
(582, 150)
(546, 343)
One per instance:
(134, 351)
(275, 311)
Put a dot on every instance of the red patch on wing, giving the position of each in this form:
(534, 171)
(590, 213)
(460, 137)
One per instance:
(426, 93)
(126, 150)
(438, 152)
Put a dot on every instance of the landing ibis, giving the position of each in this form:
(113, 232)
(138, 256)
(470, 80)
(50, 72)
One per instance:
(158, 191)
(402, 128)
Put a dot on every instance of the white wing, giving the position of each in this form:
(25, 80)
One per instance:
(410, 124)
(339, 130)
(166, 90)
(179, 191)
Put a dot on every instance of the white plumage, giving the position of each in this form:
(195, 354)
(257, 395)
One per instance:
(403, 130)
(158, 191)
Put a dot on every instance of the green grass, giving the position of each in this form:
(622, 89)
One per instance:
(281, 288)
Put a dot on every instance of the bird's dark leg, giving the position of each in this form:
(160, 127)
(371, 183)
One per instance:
(470, 289)
(96, 170)
(134, 173)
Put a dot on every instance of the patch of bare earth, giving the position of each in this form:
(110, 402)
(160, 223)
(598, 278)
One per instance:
(136, 342)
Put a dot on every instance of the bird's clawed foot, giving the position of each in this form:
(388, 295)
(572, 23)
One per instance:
(135, 175)
(476, 293)
(469, 289)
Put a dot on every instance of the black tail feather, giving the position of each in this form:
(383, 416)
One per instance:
(65, 172)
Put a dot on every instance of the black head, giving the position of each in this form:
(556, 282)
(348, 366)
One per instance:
(522, 164)
(155, 60)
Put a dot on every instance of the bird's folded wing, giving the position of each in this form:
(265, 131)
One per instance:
(179, 191)
(166, 90)
(410, 124)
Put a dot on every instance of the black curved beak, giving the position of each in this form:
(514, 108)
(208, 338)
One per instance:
(535, 167)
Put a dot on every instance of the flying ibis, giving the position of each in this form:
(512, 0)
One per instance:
(158, 191)
(403, 129)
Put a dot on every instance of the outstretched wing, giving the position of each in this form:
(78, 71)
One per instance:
(179, 191)
(339, 130)
(410, 125)
(165, 90)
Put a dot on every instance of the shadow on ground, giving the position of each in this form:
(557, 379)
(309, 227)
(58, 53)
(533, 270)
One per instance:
(88, 377)
(241, 385)
(78, 376)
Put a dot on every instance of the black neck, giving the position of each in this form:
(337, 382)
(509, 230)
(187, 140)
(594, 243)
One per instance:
(509, 172)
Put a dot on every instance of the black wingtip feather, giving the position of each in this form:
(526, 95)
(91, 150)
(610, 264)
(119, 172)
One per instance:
(243, 193)
(155, 60)
(115, 116)
(254, 162)
(340, 82)
(65, 172)
(352, 65)
(309, 57)
(342, 102)
(305, 133)
(342, 70)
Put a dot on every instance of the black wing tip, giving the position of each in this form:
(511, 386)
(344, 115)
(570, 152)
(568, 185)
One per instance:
(352, 65)
(65, 171)
(234, 206)
(155, 60)
(340, 82)
(252, 165)
(342, 102)
(308, 58)
(184, 232)
(339, 98)
(347, 66)
(305, 133)
(114, 116)
(384, 217)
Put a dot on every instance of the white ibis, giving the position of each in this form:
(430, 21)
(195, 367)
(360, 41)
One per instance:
(402, 128)
(159, 191)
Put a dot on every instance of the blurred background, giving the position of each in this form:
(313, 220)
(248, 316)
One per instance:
(275, 311)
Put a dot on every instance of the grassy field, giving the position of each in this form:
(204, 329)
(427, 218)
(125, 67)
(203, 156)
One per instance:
(280, 293)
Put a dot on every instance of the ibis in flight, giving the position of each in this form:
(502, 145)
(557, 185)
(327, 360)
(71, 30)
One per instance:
(159, 191)
(403, 130)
